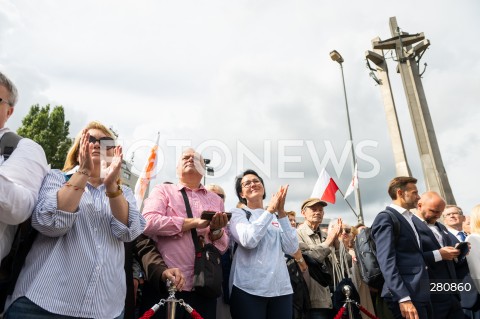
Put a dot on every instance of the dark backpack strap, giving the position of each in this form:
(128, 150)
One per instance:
(8, 143)
(396, 223)
(248, 213)
(190, 215)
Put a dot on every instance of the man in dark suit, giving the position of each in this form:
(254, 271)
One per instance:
(400, 256)
(469, 298)
(439, 253)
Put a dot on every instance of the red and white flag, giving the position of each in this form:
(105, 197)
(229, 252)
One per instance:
(353, 184)
(325, 188)
(146, 175)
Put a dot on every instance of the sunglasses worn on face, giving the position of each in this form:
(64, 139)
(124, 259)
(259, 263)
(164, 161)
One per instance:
(108, 139)
(347, 230)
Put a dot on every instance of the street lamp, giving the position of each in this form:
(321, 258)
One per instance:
(335, 56)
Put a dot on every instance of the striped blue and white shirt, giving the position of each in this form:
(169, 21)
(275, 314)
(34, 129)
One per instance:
(76, 264)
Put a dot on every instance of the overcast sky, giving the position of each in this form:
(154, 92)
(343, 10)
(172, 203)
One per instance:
(251, 84)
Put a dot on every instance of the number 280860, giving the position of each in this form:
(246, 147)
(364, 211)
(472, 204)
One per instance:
(446, 287)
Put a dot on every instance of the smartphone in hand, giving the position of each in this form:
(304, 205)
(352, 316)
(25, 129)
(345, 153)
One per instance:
(463, 247)
(208, 215)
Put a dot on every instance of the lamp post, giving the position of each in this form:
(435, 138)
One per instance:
(335, 56)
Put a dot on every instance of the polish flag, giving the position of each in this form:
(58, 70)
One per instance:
(353, 184)
(146, 175)
(325, 188)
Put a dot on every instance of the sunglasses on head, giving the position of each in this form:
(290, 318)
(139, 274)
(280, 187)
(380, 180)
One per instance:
(108, 139)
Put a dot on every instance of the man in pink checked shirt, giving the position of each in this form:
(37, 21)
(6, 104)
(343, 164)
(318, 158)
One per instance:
(168, 224)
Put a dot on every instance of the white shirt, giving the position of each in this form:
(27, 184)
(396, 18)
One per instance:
(259, 266)
(20, 179)
(408, 217)
(455, 233)
(436, 232)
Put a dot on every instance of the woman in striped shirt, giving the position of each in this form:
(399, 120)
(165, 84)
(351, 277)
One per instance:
(83, 217)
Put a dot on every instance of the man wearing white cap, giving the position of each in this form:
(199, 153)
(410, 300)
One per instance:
(316, 243)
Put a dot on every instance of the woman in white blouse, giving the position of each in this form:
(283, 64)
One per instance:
(473, 258)
(259, 281)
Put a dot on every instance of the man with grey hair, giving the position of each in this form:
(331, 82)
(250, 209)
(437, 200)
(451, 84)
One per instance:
(171, 228)
(453, 219)
(22, 169)
(319, 246)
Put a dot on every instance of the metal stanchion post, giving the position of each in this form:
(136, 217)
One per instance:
(171, 305)
(347, 292)
(171, 301)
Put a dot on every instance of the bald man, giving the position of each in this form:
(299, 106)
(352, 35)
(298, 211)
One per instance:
(439, 253)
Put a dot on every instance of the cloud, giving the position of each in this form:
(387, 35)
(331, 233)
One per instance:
(236, 75)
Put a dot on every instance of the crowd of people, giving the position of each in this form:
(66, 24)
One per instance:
(94, 254)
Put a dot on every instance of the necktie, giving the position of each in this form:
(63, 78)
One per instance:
(461, 236)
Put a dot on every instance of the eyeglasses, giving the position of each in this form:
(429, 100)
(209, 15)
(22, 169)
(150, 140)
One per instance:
(222, 196)
(4, 101)
(347, 230)
(452, 214)
(108, 139)
(247, 184)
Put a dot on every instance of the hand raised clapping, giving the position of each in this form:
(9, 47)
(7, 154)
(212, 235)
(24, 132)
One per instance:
(85, 161)
(277, 203)
(110, 173)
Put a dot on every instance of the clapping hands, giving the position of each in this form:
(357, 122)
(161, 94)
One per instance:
(277, 203)
(110, 173)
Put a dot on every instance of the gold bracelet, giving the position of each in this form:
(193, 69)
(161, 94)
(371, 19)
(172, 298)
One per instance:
(83, 172)
(115, 194)
(74, 187)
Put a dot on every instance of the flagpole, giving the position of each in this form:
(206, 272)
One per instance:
(145, 177)
(356, 215)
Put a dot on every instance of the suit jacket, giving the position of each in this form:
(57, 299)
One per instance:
(401, 262)
(442, 271)
(152, 262)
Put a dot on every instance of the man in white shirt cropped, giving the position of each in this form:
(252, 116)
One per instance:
(20, 176)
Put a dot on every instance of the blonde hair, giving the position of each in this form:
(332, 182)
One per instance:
(291, 213)
(215, 188)
(72, 156)
(475, 220)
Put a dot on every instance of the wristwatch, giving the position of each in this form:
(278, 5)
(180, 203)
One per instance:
(215, 232)
(300, 260)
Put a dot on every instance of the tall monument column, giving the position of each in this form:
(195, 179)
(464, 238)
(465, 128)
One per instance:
(401, 163)
(435, 175)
